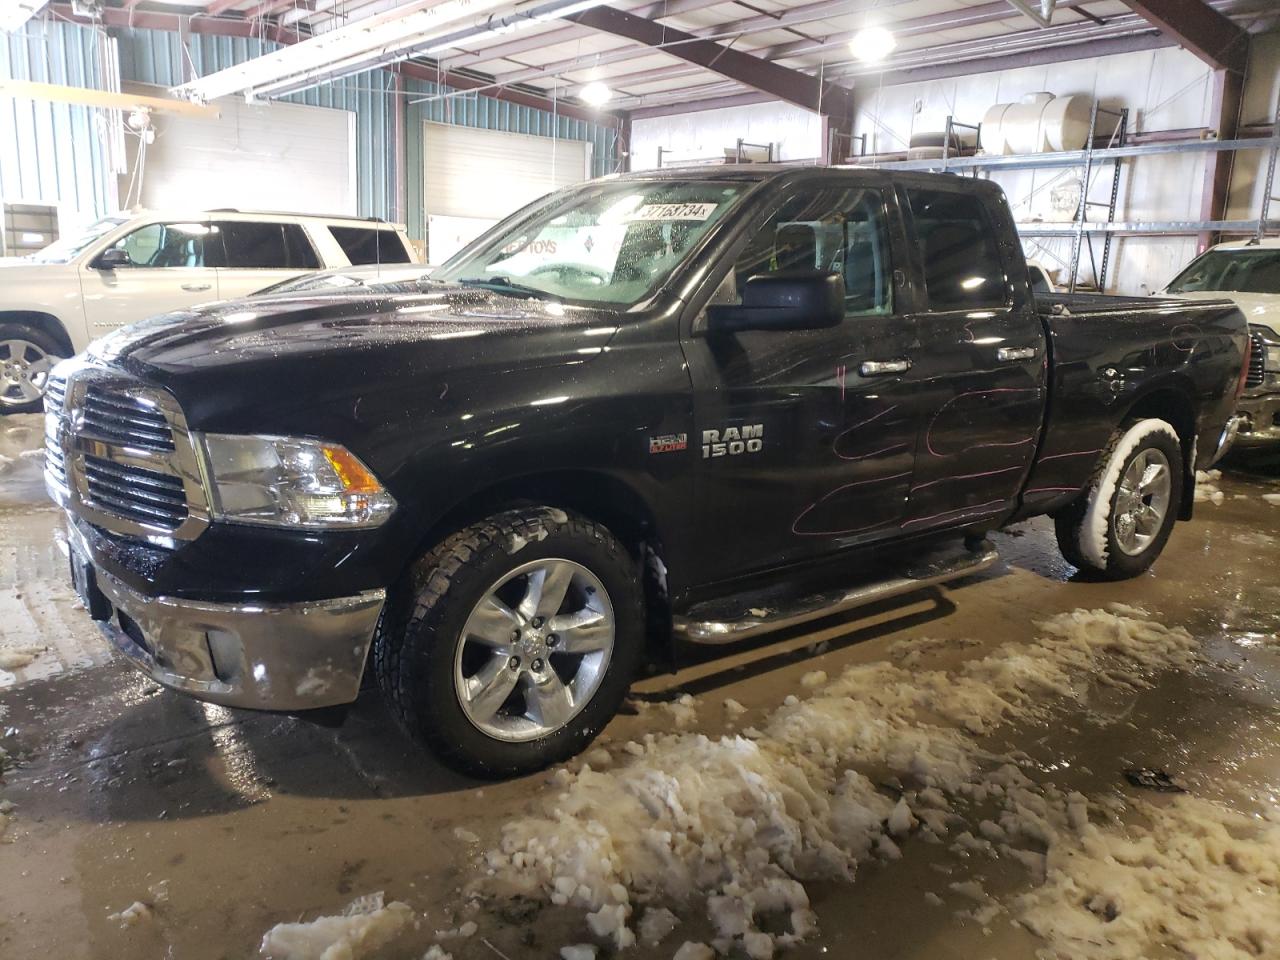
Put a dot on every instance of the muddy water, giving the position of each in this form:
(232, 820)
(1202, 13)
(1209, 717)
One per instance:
(254, 819)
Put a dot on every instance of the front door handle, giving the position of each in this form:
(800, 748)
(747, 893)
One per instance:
(1009, 354)
(878, 368)
(196, 287)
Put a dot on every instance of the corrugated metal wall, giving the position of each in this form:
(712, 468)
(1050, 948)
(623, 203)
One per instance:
(54, 152)
(150, 56)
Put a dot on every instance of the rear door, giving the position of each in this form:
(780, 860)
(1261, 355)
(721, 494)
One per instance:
(253, 254)
(980, 368)
(168, 271)
(803, 445)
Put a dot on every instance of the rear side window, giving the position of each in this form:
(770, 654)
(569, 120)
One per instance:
(266, 246)
(962, 267)
(364, 245)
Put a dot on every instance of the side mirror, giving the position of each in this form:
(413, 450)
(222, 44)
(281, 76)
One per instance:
(111, 258)
(795, 300)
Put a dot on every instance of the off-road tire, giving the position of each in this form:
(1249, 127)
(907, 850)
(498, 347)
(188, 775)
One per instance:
(417, 639)
(21, 331)
(1077, 525)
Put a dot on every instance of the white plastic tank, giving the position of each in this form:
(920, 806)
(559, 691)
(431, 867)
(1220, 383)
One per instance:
(1037, 123)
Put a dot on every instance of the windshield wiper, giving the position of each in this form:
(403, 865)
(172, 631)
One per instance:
(507, 285)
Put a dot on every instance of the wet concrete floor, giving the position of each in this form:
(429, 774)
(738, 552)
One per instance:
(250, 819)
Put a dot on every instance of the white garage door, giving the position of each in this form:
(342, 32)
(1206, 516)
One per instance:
(473, 178)
(266, 156)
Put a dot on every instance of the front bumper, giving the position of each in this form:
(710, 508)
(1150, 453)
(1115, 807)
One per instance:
(268, 656)
(1260, 419)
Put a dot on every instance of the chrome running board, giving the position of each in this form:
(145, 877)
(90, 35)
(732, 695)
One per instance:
(933, 570)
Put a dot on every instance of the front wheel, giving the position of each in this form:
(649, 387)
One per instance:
(514, 642)
(1121, 522)
(26, 357)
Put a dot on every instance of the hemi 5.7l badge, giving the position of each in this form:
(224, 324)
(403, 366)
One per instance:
(670, 443)
(732, 441)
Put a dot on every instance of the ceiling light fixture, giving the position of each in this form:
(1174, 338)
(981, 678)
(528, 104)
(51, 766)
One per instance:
(872, 44)
(595, 93)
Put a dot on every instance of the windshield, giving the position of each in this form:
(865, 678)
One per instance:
(1240, 270)
(609, 243)
(66, 249)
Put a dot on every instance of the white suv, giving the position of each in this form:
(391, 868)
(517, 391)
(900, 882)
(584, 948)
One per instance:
(133, 266)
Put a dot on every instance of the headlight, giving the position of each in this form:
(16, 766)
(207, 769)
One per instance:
(288, 482)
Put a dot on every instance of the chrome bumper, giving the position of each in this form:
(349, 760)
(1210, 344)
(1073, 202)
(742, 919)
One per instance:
(293, 656)
(1259, 420)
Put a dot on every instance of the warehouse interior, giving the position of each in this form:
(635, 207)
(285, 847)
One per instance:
(1017, 754)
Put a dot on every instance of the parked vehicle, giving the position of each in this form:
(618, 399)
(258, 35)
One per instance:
(132, 266)
(692, 403)
(1041, 280)
(1246, 272)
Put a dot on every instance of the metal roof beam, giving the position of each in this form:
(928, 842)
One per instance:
(793, 86)
(1200, 29)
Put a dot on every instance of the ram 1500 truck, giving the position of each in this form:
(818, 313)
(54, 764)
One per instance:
(657, 408)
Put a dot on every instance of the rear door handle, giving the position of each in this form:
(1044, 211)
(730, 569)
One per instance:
(1009, 354)
(196, 287)
(878, 368)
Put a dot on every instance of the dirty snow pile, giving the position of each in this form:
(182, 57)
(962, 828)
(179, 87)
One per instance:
(1193, 875)
(1207, 489)
(741, 822)
(366, 925)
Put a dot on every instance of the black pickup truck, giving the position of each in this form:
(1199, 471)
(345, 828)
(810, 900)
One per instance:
(647, 410)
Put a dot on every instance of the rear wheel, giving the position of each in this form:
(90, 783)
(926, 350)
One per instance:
(514, 642)
(1122, 521)
(26, 357)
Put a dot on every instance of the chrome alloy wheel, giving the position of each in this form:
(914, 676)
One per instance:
(534, 650)
(24, 372)
(1142, 501)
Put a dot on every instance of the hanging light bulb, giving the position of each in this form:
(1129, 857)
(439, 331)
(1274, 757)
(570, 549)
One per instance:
(595, 93)
(872, 44)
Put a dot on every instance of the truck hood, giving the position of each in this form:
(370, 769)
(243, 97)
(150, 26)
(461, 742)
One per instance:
(277, 362)
(1258, 308)
(406, 320)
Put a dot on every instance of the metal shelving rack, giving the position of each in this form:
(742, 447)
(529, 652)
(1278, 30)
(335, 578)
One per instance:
(1080, 229)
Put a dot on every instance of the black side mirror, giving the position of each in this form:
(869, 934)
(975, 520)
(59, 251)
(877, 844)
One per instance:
(111, 258)
(794, 300)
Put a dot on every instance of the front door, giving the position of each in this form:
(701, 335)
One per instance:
(805, 439)
(166, 271)
(981, 366)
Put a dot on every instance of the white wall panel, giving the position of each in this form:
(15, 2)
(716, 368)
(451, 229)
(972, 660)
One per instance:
(270, 156)
(1261, 94)
(796, 133)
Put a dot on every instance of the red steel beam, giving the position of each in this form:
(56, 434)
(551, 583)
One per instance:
(1200, 29)
(783, 83)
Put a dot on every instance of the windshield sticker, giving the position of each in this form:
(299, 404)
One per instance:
(673, 211)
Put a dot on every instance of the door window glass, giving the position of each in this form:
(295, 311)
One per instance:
(369, 245)
(266, 246)
(828, 230)
(962, 267)
(166, 245)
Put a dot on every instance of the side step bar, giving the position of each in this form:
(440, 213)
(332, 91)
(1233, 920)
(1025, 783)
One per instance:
(757, 621)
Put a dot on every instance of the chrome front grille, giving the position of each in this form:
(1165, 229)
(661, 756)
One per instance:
(119, 454)
(133, 420)
(1257, 362)
(146, 496)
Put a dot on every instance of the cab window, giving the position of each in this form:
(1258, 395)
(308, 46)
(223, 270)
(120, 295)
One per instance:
(962, 266)
(166, 245)
(829, 230)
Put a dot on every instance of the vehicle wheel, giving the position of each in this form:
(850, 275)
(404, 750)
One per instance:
(514, 641)
(26, 357)
(1119, 525)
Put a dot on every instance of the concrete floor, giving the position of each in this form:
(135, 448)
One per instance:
(251, 819)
